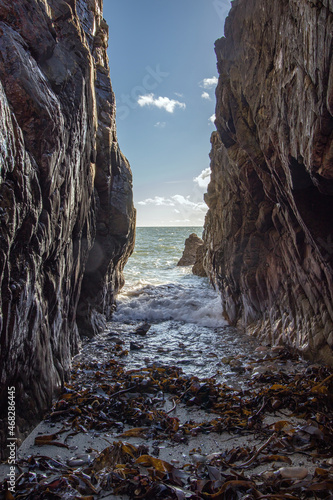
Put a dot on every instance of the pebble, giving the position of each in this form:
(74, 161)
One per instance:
(226, 360)
(198, 459)
(116, 340)
(76, 462)
(293, 472)
(135, 347)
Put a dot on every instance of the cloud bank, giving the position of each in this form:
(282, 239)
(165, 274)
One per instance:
(178, 201)
(177, 209)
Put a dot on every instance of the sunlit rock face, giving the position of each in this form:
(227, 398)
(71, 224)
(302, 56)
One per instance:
(192, 244)
(67, 216)
(269, 229)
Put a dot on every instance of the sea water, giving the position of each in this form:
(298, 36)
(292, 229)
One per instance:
(184, 311)
(158, 290)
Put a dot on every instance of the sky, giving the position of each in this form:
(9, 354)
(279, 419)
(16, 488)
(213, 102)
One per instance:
(163, 73)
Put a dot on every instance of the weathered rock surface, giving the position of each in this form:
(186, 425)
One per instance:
(65, 195)
(269, 230)
(198, 268)
(192, 243)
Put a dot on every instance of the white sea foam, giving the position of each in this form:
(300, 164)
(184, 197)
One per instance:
(158, 290)
(185, 313)
(177, 302)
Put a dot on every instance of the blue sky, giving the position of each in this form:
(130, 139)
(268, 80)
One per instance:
(163, 72)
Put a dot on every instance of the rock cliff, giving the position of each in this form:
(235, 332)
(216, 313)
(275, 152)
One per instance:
(67, 217)
(269, 229)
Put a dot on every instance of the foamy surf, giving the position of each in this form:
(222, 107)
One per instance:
(200, 306)
(184, 311)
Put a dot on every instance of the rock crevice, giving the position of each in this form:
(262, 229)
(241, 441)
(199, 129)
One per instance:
(269, 231)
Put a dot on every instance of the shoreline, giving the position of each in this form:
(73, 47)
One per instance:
(189, 431)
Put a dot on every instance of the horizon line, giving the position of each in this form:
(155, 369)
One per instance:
(189, 225)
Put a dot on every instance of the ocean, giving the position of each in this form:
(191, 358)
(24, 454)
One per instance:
(184, 311)
(158, 290)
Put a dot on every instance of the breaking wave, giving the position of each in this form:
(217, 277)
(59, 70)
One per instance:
(195, 303)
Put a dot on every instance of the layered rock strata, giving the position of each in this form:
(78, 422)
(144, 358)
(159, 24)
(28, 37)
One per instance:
(66, 206)
(269, 231)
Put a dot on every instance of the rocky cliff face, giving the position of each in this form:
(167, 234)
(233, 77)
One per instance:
(67, 218)
(269, 229)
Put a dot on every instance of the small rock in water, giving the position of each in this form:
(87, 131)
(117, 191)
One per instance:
(226, 360)
(116, 340)
(142, 329)
(135, 347)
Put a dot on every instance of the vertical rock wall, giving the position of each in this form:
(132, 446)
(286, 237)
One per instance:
(66, 207)
(269, 229)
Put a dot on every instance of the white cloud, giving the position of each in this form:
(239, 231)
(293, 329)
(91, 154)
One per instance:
(178, 94)
(212, 118)
(186, 202)
(203, 179)
(205, 95)
(184, 209)
(160, 125)
(159, 201)
(208, 83)
(160, 102)
(177, 200)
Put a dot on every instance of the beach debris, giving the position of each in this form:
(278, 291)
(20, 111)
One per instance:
(130, 405)
(49, 440)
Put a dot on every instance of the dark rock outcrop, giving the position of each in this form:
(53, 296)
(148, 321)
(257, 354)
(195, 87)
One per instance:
(269, 229)
(65, 194)
(192, 243)
(198, 268)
